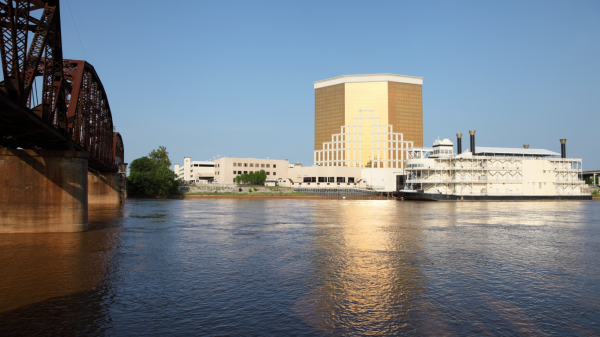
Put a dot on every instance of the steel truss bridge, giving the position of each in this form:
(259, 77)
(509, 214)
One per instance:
(72, 112)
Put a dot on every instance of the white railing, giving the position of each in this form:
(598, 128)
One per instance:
(559, 169)
(565, 182)
(455, 168)
(495, 194)
(459, 181)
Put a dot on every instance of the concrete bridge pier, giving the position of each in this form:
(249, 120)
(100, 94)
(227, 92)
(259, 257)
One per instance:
(106, 188)
(43, 191)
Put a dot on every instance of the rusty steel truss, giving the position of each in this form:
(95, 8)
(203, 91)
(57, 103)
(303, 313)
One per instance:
(73, 102)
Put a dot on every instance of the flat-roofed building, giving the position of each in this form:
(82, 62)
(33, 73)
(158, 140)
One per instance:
(195, 171)
(323, 176)
(377, 179)
(395, 101)
(226, 169)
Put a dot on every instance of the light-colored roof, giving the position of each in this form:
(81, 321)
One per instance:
(368, 78)
(515, 151)
(446, 141)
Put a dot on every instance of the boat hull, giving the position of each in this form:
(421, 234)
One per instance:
(454, 197)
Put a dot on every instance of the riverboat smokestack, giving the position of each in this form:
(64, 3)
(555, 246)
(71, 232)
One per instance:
(472, 133)
(458, 143)
(526, 146)
(563, 148)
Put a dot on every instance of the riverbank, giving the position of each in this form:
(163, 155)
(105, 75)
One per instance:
(272, 196)
(259, 192)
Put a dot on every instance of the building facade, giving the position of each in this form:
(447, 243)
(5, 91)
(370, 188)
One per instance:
(396, 100)
(387, 149)
(195, 171)
(226, 169)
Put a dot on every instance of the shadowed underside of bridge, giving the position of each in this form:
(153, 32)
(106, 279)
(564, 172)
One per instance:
(58, 148)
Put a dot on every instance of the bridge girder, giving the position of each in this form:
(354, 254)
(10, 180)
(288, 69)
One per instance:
(73, 100)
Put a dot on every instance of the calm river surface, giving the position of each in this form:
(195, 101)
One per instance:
(309, 267)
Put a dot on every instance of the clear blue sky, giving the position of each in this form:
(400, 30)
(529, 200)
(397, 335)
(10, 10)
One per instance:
(208, 78)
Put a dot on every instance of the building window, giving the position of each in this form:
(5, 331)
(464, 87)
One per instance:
(274, 173)
(262, 165)
(322, 179)
(351, 179)
(234, 172)
(331, 179)
(341, 179)
(245, 164)
(306, 180)
(251, 165)
(239, 172)
(268, 165)
(256, 165)
(234, 164)
(245, 172)
(274, 165)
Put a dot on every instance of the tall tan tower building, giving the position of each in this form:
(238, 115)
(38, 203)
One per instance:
(395, 100)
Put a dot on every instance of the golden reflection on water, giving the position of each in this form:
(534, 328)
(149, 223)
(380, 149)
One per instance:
(42, 266)
(373, 259)
(368, 268)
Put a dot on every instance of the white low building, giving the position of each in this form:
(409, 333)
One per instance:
(195, 171)
(377, 179)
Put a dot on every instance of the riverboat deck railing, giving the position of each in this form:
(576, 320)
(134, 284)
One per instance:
(487, 194)
(484, 168)
(463, 181)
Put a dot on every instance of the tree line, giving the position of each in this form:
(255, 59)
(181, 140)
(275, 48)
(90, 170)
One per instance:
(257, 178)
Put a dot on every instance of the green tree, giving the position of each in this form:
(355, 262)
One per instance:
(143, 164)
(150, 175)
(257, 178)
(160, 156)
(262, 176)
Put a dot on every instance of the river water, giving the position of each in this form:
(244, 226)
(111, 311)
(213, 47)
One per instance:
(309, 267)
